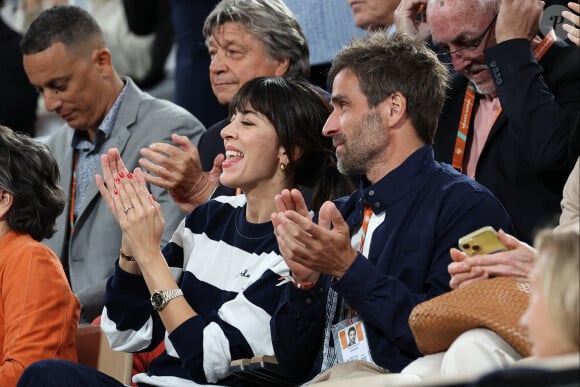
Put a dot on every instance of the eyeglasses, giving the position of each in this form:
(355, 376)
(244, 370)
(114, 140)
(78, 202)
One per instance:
(471, 46)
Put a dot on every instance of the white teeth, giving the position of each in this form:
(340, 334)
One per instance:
(231, 153)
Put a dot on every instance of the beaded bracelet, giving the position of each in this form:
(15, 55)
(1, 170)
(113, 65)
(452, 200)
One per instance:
(296, 284)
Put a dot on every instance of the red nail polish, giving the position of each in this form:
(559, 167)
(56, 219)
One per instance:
(153, 197)
(121, 175)
(117, 180)
(130, 175)
(116, 192)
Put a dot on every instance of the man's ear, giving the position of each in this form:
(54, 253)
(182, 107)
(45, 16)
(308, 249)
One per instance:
(103, 60)
(6, 200)
(394, 109)
(282, 66)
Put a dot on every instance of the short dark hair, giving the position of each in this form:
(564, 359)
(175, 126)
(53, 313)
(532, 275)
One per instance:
(403, 63)
(66, 24)
(30, 173)
(298, 112)
(272, 23)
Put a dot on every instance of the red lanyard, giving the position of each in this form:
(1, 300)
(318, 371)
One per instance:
(469, 102)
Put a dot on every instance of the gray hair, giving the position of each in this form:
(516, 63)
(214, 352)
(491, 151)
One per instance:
(272, 23)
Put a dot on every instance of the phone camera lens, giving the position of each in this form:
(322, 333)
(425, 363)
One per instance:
(466, 246)
(475, 248)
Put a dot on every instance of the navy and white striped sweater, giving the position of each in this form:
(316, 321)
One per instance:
(228, 270)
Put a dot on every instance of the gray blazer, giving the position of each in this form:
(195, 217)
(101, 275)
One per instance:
(93, 247)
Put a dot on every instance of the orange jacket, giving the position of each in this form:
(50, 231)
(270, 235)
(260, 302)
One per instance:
(38, 311)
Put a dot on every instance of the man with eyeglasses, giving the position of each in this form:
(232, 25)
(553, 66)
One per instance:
(512, 105)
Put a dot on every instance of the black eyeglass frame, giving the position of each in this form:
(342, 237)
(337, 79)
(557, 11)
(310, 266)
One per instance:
(472, 46)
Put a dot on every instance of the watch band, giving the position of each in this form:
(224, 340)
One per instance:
(169, 295)
(160, 298)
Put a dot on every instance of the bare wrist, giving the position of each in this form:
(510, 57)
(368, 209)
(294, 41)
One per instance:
(202, 192)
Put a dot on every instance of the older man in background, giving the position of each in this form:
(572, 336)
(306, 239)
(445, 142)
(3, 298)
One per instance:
(246, 39)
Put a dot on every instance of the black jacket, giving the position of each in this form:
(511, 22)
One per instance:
(527, 156)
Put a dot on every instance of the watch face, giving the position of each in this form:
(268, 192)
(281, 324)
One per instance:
(157, 300)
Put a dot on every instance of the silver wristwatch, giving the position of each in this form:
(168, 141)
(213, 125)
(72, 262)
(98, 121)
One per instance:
(160, 298)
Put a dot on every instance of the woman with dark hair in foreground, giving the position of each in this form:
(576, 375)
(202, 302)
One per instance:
(212, 290)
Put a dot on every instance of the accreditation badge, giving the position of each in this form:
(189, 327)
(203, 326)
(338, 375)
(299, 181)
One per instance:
(350, 340)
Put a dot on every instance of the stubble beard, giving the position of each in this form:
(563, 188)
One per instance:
(359, 151)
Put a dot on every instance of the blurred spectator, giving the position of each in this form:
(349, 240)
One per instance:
(328, 27)
(192, 86)
(374, 14)
(139, 55)
(144, 18)
(553, 315)
(18, 97)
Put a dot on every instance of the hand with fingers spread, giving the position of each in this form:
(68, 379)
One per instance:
(135, 209)
(178, 169)
(309, 248)
(516, 262)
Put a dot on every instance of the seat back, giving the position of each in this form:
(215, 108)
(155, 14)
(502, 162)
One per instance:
(93, 350)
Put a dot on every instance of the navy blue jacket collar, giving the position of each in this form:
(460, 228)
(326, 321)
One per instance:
(397, 183)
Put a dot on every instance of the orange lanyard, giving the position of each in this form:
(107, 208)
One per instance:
(73, 191)
(469, 102)
(367, 213)
(346, 310)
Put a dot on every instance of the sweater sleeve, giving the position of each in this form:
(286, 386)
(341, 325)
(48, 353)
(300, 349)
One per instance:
(239, 328)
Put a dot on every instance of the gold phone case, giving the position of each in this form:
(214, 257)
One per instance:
(481, 241)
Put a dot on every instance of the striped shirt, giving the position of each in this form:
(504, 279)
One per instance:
(228, 270)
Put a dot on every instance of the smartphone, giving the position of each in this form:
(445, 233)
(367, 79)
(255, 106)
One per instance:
(481, 241)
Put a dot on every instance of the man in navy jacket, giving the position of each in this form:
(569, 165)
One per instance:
(376, 254)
